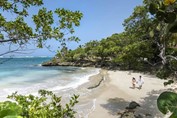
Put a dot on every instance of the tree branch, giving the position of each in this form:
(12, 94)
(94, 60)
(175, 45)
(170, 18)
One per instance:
(170, 56)
(9, 40)
(153, 64)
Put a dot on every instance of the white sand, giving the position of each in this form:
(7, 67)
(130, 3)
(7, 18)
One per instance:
(116, 94)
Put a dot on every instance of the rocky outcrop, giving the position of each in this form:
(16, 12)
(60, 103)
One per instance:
(80, 63)
(50, 63)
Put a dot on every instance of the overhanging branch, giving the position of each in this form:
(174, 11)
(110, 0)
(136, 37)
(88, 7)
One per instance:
(9, 40)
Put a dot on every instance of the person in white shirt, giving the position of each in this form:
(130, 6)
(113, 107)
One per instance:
(140, 82)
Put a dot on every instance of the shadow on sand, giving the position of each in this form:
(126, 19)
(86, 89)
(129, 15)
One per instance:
(115, 104)
(148, 105)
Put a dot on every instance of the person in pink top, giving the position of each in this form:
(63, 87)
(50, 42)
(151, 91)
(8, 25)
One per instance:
(133, 82)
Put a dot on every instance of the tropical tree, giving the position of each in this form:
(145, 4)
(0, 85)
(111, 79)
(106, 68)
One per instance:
(164, 13)
(48, 24)
(90, 49)
(17, 31)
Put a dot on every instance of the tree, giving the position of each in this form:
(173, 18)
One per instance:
(90, 49)
(164, 13)
(138, 23)
(48, 24)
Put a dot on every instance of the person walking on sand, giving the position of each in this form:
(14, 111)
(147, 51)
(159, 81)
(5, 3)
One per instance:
(140, 82)
(133, 82)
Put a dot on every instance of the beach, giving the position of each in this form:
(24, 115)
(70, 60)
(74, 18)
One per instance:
(102, 93)
(115, 93)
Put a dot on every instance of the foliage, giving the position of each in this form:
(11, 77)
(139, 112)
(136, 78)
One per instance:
(48, 24)
(164, 73)
(47, 105)
(146, 43)
(138, 24)
(9, 109)
(167, 102)
(164, 12)
(168, 82)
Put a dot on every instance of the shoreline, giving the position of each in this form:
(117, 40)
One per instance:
(108, 92)
(88, 90)
(114, 94)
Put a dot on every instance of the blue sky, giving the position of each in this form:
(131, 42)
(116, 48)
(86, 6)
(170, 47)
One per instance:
(101, 19)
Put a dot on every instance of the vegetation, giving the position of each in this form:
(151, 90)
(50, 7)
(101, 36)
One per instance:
(15, 30)
(165, 12)
(148, 42)
(47, 105)
(166, 102)
(48, 24)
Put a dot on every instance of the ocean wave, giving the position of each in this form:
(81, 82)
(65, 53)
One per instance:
(77, 81)
(30, 81)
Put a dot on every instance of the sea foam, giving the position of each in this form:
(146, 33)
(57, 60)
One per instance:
(77, 81)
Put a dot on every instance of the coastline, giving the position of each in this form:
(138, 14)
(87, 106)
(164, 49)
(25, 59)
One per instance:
(107, 93)
(114, 94)
(88, 93)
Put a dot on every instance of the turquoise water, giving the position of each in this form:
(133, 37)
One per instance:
(25, 75)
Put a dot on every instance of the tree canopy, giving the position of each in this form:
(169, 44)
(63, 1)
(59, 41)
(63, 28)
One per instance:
(47, 24)
(148, 42)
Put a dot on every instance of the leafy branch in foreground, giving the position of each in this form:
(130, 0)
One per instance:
(165, 12)
(46, 105)
(58, 24)
(167, 102)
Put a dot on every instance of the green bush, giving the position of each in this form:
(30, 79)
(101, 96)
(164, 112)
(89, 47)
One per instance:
(164, 73)
(9, 109)
(46, 105)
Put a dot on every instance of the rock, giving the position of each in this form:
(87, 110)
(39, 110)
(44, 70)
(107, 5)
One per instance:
(49, 63)
(147, 114)
(138, 116)
(127, 115)
(133, 105)
(65, 64)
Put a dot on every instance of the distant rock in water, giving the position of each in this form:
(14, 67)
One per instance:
(79, 63)
(50, 63)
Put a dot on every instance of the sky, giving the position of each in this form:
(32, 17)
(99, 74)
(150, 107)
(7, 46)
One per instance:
(101, 19)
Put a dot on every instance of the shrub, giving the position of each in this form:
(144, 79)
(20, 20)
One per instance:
(46, 105)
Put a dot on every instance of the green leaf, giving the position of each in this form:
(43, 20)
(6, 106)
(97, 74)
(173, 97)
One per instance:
(173, 28)
(152, 8)
(151, 33)
(158, 28)
(167, 101)
(12, 117)
(160, 15)
(174, 115)
(170, 17)
(9, 108)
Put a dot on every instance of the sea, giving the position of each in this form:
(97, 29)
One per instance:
(26, 76)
